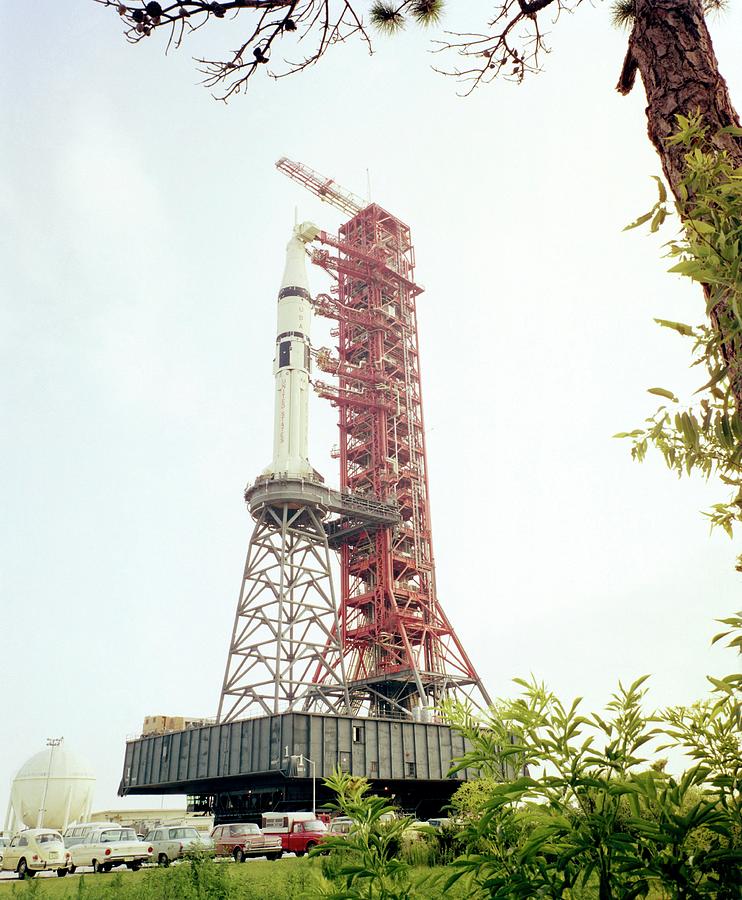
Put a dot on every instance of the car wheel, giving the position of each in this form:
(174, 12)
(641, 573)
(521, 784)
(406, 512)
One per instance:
(98, 867)
(61, 872)
(22, 869)
(162, 860)
(274, 856)
(311, 845)
(239, 856)
(134, 866)
(299, 852)
(107, 867)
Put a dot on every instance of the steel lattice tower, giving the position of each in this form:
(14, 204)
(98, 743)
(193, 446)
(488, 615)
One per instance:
(398, 648)
(285, 653)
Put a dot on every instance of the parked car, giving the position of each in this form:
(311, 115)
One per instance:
(341, 826)
(36, 850)
(299, 831)
(4, 841)
(243, 839)
(171, 842)
(106, 846)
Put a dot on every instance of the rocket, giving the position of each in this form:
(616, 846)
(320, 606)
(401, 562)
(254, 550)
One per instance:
(291, 363)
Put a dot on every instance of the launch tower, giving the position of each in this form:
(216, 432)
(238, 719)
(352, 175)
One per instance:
(392, 651)
(349, 683)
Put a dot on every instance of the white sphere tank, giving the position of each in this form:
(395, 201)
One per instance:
(55, 787)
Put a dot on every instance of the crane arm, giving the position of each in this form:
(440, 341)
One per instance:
(324, 188)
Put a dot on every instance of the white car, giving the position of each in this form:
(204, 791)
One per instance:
(36, 850)
(170, 842)
(110, 845)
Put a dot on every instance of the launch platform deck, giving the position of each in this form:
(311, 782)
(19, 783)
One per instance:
(253, 765)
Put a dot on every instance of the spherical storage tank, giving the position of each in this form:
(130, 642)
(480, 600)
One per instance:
(57, 780)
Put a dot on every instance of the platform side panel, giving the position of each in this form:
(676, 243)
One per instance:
(251, 744)
(128, 765)
(409, 760)
(372, 749)
(433, 749)
(300, 742)
(277, 725)
(345, 745)
(316, 741)
(209, 752)
(329, 755)
(420, 751)
(148, 756)
(396, 756)
(225, 749)
(183, 755)
(358, 739)
(166, 758)
(458, 749)
(263, 731)
(385, 749)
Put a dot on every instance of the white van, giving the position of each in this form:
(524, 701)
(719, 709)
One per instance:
(78, 834)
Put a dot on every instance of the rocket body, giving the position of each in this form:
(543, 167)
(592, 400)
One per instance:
(292, 362)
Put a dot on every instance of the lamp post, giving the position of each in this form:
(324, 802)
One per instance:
(53, 743)
(314, 783)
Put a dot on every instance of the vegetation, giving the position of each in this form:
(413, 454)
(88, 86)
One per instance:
(704, 433)
(196, 879)
(585, 812)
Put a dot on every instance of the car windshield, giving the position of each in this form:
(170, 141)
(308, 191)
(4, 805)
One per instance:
(177, 834)
(49, 837)
(314, 825)
(119, 834)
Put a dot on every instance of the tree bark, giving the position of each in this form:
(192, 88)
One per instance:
(671, 48)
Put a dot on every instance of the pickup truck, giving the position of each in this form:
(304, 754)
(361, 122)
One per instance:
(243, 839)
(298, 835)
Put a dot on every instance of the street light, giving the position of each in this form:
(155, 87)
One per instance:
(53, 743)
(314, 782)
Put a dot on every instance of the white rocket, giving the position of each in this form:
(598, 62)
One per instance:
(291, 364)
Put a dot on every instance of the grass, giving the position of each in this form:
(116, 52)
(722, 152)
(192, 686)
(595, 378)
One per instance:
(286, 879)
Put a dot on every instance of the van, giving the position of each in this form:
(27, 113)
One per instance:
(79, 833)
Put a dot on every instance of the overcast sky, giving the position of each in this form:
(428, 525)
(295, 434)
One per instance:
(141, 246)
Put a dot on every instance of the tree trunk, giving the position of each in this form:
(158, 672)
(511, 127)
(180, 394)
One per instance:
(671, 48)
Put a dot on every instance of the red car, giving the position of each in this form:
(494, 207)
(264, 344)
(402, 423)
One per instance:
(243, 839)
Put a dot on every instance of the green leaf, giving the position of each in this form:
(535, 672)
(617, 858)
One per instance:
(640, 221)
(715, 379)
(680, 327)
(662, 392)
(661, 188)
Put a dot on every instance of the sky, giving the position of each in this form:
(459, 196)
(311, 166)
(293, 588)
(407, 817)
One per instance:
(143, 228)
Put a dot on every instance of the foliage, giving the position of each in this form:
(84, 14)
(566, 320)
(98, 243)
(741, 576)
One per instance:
(623, 12)
(366, 860)
(593, 811)
(704, 433)
(198, 880)
(390, 17)
(470, 798)
(283, 37)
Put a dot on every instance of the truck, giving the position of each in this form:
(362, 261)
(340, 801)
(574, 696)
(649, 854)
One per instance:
(299, 831)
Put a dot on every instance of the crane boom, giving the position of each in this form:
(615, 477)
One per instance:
(324, 188)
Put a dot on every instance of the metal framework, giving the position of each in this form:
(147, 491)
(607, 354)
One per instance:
(400, 649)
(397, 646)
(286, 620)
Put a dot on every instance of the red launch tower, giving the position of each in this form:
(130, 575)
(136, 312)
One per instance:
(401, 653)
